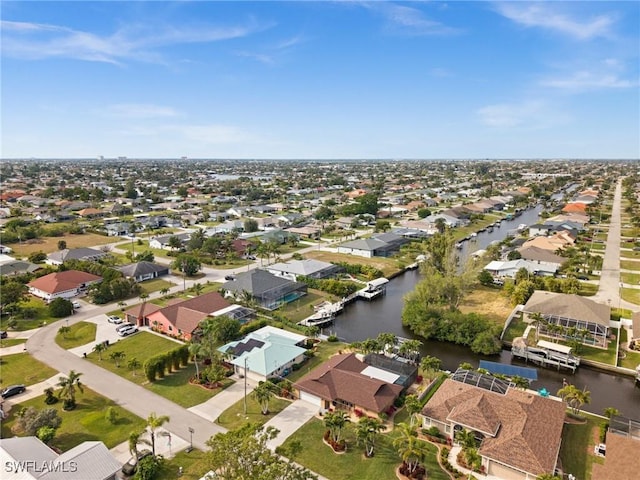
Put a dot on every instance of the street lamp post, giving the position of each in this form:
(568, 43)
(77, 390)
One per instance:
(190, 447)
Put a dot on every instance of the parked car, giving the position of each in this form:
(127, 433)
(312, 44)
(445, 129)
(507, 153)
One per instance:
(124, 326)
(12, 390)
(76, 304)
(230, 277)
(582, 277)
(131, 466)
(114, 319)
(128, 331)
(3, 334)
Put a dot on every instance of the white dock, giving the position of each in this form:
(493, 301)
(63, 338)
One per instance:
(374, 289)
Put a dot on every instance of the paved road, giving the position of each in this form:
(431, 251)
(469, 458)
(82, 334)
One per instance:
(610, 286)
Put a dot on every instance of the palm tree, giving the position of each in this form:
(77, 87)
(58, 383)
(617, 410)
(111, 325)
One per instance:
(133, 364)
(64, 331)
(164, 291)
(197, 288)
(99, 348)
(262, 394)
(412, 450)
(574, 397)
(466, 439)
(413, 407)
(134, 441)
(367, 430)
(387, 342)
(195, 349)
(117, 357)
(611, 412)
(430, 365)
(335, 422)
(410, 349)
(538, 321)
(68, 386)
(153, 423)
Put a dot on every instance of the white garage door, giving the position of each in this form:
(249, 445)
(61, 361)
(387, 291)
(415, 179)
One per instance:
(312, 399)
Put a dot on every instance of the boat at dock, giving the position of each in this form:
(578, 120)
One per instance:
(321, 318)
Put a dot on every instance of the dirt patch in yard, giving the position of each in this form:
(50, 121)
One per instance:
(487, 301)
(50, 244)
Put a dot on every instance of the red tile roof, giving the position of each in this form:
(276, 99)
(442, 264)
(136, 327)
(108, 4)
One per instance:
(187, 315)
(63, 281)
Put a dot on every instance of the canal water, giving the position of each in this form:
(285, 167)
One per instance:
(362, 320)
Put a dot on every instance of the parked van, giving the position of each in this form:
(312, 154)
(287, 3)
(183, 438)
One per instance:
(124, 326)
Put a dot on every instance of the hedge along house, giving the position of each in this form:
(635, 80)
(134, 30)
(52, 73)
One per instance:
(569, 311)
(66, 284)
(265, 353)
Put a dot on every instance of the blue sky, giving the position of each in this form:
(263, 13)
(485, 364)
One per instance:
(321, 79)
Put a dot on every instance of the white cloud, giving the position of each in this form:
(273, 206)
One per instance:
(140, 110)
(508, 115)
(440, 72)
(584, 80)
(133, 42)
(409, 20)
(545, 15)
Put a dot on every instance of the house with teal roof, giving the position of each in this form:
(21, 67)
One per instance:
(266, 353)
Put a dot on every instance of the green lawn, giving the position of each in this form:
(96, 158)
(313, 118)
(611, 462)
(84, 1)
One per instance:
(324, 350)
(600, 355)
(516, 329)
(234, 416)
(631, 359)
(23, 368)
(631, 295)
(10, 342)
(194, 466)
(630, 278)
(155, 285)
(353, 465)
(630, 265)
(629, 254)
(38, 315)
(587, 289)
(80, 333)
(302, 307)
(86, 422)
(176, 387)
(576, 450)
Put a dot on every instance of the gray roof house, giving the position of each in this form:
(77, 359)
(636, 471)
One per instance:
(142, 271)
(162, 241)
(61, 256)
(379, 245)
(571, 311)
(268, 290)
(306, 268)
(28, 458)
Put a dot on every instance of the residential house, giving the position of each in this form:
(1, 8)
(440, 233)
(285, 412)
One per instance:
(510, 268)
(555, 242)
(86, 254)
(66, 284)
(308, 232)
(621, 460)
(142, 271)
(28, 458)
(265, 288)
(17, 267)
(162, 242)
(265, 353)
(449, 220)
(378, 245)
(541, 256)
(571, 311)
(118, 229)
(182, 319)
(520, 431)
(307, 268)
(346, 382)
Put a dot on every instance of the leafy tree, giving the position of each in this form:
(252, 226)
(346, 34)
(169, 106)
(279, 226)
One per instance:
(514, 255)
(146, 256)
(62, 244)
(223, 328)
(243, 454)
(382, 225)
(263, 394)
(30, 420)
(485, 278)
(153, 423)
(12, 293)
(187, 264)
(68, 385)
(148, 468)
(60, 307)
(250, 225)
(174, 242)
(367, 430)
(423, 212)
(111, 415)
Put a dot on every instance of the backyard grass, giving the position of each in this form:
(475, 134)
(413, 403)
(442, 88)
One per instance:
(234, 416)
(352, 465)
(607, 356)
(302, 307)
(176, 387)
(86, 422)
(79, 333)
(387, 265)
(632, 358)
(629, 254)
(155, 285)
(490, 302)
(10, 342)
(50, 244)
(194, 466)
(630, 278)
(587, 289)
(23, 368)
(516, 329)
(576, 450)
(631, 295)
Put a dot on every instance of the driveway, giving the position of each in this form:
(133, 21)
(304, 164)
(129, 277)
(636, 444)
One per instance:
(212, 408)
(289, 420)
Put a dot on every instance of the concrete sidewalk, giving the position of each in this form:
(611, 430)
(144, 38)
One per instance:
(167, 445)
(32, 391)
(212, 408)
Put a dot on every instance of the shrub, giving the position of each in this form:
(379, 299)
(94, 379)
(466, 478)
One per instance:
(50, 397)
(60, 307)
(332, 338)
(111, 415)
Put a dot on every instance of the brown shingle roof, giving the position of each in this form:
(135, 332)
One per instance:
(339, 378)
(63, 281)
(529, 426)
(187, 315)
(622, 460)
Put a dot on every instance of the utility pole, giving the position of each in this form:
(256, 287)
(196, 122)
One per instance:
(245, 385)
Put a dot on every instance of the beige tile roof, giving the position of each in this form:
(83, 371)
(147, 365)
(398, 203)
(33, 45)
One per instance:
(622, 460)
(529, 427)
(568, 306)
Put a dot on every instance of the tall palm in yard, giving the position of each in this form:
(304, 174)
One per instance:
(367, 430)
(411, 449)
(99, 348)
(64, 331)
(262, 394)
(335, 422)
(134, 441)
(153, 423)
(117, 357)
(133, 364)
(574, 397)
(538, 321)
(195, 350)
(68, 385)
